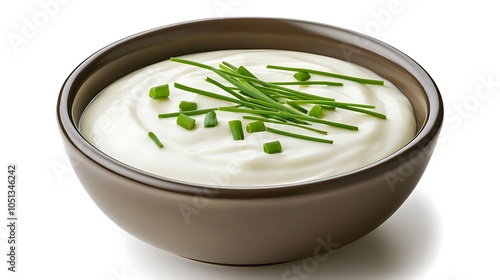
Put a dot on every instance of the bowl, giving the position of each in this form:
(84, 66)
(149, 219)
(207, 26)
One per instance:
(249, 226)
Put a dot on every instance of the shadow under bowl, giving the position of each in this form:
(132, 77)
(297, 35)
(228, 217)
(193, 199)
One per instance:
(249, 226)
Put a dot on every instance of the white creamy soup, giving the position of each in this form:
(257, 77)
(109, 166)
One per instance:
(118, 120)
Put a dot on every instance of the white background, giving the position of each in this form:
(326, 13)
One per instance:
(448, 229)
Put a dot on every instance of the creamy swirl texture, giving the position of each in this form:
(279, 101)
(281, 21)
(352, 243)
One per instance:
(118, 120)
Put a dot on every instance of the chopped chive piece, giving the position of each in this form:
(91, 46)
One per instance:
(368, 112)
(236, 129)
(155, 139)
(302, 76)
(273, 147)
(225, 88)
(264, 104)
(243, 71)
(211, 119)
(316, 111)
(299, 136)
(162, 91)
(228, 66)
(328, 74)
(186, 121)
(190, 62)
(188, 106)
(256, 126)
(297, 107)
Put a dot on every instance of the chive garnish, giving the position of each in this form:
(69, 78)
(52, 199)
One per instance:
(256, 126)
(242, 85)
(187, 106)
(210, 119)
(297, 107)
(273, 147)
(162, 91)
(218, 96)
(282, 89)
(316, 111)
(299, 136)
(284, 114)
(236, 129)
(155, 139)
(328, 74)
(186, 121)
(249, 89)
(273, 101)
(302, 76)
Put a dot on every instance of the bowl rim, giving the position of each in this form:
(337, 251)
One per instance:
(426, 135)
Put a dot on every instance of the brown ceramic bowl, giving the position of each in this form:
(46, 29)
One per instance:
(249, 226)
